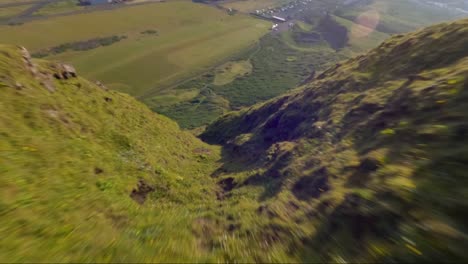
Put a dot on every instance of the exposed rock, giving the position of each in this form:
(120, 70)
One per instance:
(69, 71)
(48, 85)
(102, 86)
(65, 71)
(42, 77)
(27, 60)
(140, 193)
(25, 54)
(18, 86)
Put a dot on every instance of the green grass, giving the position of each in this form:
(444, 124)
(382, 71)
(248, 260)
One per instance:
(400, 15)
(69, 161)
(16, 1)
(361, 38)
(311, 176)
(351, 167)
(59, 7)
(9, 12)
(191, 39)
(230, 71)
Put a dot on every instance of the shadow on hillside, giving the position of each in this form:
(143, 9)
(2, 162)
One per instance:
(428, 138)
(233, 163)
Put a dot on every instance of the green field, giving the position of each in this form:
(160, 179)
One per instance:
(191, 39)
(2, 2)
(59, 7)
(230, 71)
(9, 12)
(252, 5)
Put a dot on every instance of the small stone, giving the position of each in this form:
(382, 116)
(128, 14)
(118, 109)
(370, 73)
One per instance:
(18, 86)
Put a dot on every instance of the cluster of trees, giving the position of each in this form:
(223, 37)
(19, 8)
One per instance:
(79, 46)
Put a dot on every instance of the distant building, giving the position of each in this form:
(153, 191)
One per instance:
(95, 2)
(280, 19)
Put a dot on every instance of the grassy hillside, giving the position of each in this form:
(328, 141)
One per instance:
(189, 38)
(366, 163)
(276, 67)
(71, 156)
(399, 15)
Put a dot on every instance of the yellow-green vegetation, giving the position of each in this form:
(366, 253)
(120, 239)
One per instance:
(59, 7)
(229, 71)
(2, 2)
(69, 160)
(9, 12)
(191, 38)
(397, 16)
(277, 66)
(366, 163)
(361, 37)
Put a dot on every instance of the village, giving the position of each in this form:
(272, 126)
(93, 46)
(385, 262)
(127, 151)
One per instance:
(285, 16)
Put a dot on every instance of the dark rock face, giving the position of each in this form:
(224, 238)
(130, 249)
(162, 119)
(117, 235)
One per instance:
(140, 193)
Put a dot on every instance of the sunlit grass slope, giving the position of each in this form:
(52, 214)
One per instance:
(69, 161)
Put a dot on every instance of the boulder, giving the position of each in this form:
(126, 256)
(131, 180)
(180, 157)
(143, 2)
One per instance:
(65, 72)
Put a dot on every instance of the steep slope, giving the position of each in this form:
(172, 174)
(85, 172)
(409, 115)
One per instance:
(365, 163)
(89, 174)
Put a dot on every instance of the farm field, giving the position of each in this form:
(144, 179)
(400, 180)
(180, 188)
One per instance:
(398, 16)
(252, 5)
(8, 12)
(59, 7)
(186, 40)
(3, 2)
